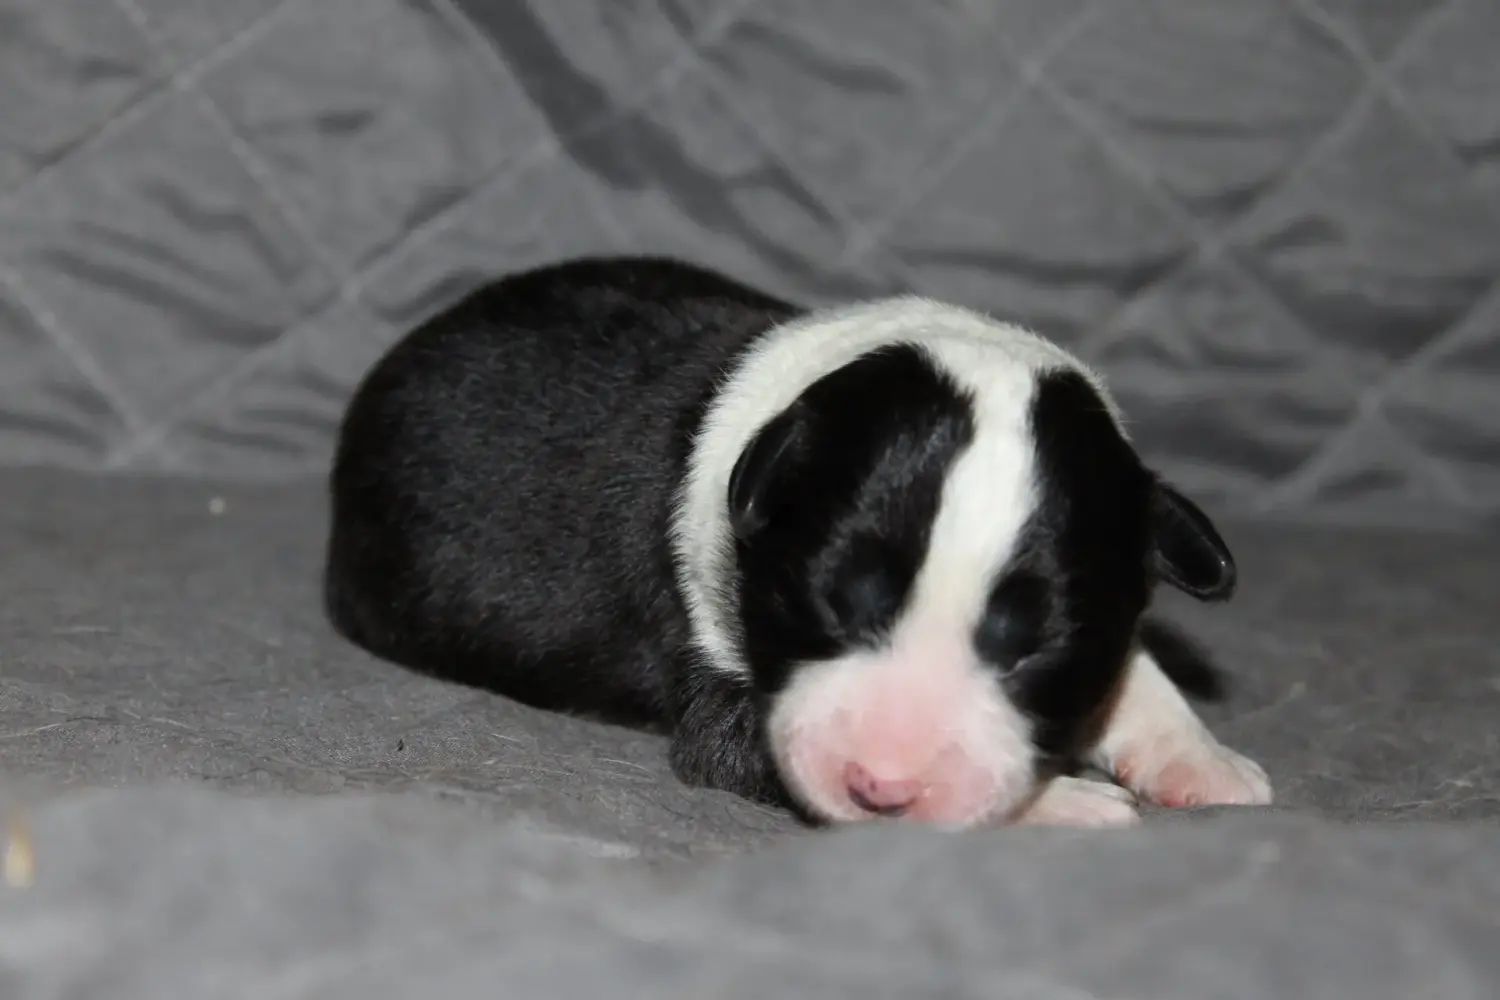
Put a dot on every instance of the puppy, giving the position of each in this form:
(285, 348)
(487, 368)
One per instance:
(886, 559)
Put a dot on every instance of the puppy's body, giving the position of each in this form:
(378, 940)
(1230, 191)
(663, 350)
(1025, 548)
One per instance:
(884, 559)
(506, 475)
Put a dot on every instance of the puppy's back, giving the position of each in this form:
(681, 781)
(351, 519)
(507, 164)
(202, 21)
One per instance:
(503, 478)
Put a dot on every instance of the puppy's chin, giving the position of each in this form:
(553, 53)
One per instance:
(929, 739)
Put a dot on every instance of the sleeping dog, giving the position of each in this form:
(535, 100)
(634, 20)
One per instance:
(884, 559)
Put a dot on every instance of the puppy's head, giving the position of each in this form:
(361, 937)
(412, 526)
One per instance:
(940, 551)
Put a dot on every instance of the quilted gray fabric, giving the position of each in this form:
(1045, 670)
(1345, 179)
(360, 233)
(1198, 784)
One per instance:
(1275, 225)
(339, 828)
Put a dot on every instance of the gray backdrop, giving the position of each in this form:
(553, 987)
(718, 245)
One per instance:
(1275, 224)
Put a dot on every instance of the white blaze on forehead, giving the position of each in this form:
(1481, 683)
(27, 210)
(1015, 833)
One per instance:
(993, 360)
(988, 496)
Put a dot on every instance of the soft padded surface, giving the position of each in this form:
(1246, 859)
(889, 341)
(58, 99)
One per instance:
(157, 629)
(1276, 226)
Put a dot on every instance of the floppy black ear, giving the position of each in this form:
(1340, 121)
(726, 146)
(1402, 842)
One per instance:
(1189, 554)
(759, 467)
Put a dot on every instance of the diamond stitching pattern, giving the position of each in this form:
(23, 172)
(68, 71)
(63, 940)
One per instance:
(1381, 44)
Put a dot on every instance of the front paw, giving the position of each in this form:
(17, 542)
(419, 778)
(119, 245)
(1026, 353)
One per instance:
(1076, 802)
(1190, 769)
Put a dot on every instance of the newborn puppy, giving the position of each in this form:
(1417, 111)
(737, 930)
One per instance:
(887, 559)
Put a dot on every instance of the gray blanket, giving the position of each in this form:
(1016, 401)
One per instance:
(1274, 226)
(332, 826)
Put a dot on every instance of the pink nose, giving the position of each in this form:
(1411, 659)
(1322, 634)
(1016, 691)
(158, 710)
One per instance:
(881, 796)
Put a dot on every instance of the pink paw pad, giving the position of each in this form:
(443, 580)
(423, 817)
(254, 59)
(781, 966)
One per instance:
(1193, 772)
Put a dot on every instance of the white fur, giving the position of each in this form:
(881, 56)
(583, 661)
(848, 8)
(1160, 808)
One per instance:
(1156, 745)
(924, 712)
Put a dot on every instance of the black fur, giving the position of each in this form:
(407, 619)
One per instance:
(504, 477)
(1071, 603)
(1084, 558)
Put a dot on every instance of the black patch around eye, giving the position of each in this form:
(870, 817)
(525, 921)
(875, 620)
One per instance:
(848, 517)
(1014, 622)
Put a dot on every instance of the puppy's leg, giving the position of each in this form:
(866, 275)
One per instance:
(718, 739)
(1155, 745)
(1069, 801)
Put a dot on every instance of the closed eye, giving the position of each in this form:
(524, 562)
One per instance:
(864, 592)
(1014, 624)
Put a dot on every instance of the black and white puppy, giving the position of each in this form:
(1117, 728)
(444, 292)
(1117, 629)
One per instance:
(885, 559)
